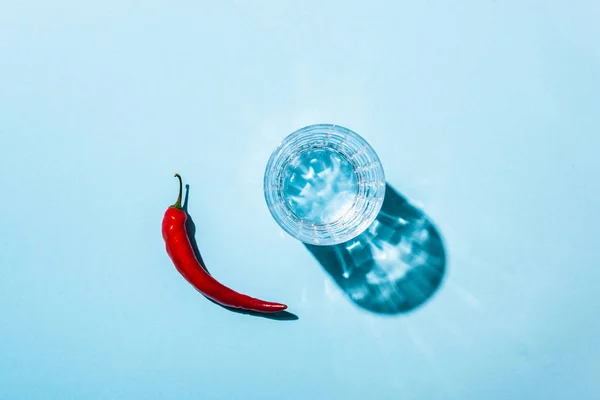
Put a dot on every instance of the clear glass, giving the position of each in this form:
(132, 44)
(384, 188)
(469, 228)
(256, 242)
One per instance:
(324, 184)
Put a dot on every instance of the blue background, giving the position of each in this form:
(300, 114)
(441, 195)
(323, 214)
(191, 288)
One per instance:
(485, 114)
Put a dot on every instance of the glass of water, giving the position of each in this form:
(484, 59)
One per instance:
(324, 184)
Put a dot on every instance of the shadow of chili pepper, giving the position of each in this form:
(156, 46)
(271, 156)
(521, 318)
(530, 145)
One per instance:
(394, 266)
(190, 227)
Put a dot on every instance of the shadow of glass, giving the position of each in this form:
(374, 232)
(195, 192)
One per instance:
(190, 227)
(393, 267)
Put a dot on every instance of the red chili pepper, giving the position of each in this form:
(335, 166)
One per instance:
(181, 252)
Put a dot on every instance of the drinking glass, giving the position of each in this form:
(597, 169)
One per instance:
(324, 184)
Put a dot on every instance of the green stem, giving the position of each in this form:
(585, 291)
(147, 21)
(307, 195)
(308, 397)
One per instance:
(177, 204)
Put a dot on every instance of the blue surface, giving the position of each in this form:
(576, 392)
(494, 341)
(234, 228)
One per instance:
(485, 114)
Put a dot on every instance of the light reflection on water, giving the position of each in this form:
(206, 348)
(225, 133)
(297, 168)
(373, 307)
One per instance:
(320, 186)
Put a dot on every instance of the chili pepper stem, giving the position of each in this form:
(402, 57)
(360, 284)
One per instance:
(177, 204)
